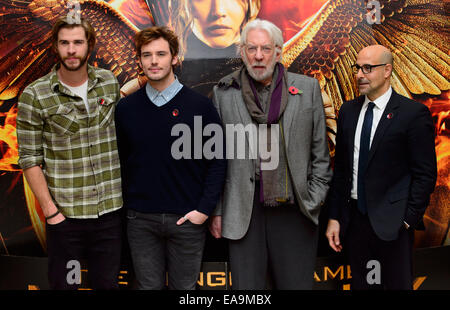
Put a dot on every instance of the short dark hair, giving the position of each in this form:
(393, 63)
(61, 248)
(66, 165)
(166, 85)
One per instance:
(64, 22)
(148, 35)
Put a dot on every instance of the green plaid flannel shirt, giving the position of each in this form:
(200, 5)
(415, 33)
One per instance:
(77, 150)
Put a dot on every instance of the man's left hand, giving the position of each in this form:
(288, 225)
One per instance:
(194, 217)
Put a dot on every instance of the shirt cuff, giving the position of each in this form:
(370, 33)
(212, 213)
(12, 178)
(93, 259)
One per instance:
(30, 161)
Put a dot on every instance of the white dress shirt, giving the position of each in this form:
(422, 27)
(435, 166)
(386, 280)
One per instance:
(378, 109)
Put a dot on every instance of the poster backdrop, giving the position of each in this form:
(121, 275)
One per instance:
(322, 39)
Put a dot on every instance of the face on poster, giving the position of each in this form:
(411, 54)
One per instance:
(321, 40)
(217, 23)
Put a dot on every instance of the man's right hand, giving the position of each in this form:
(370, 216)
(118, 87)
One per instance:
(50, 209)
(57, 219)
(333, 235)
(38, 184)
(215, 226)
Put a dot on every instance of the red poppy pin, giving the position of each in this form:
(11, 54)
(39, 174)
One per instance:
(175, 112)
(390, 115)
(102, 101)
(294, 90)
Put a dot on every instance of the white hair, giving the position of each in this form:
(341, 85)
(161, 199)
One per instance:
(274, 32)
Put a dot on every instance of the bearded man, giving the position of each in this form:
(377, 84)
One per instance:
(270, 205)
(68, 152)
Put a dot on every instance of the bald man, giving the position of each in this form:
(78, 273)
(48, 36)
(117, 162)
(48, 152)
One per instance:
(384, 172)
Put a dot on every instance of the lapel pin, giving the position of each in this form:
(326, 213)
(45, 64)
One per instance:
(102, 101)
(175, 112)
(294, 90)
(390, 115)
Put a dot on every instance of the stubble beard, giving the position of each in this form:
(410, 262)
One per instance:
(82, 60)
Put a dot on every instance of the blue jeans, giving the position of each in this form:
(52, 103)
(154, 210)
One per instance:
(158, 245)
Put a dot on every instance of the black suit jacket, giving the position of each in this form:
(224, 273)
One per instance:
(401, 172)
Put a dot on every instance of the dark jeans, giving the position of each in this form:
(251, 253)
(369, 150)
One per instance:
(158, 245)
(280, 244)
(96, 241)
(395, 257)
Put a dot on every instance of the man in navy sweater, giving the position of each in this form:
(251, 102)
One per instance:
(169, 186)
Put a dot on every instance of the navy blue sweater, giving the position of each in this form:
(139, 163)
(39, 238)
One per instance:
(153, 180)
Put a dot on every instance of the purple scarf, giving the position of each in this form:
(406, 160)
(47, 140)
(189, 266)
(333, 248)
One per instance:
(275, 185)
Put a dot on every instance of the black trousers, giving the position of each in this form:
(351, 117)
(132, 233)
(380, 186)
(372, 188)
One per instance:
(368, 255)
(95, 241)
(279, 248)
(158, 245)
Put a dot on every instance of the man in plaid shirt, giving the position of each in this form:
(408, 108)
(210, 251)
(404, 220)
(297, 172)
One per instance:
(68, 153)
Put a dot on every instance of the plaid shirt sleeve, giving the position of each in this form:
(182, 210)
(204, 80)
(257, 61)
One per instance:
(29, 130)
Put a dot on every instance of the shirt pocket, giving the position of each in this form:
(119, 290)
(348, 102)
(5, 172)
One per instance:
(64, 121)
(106, 111)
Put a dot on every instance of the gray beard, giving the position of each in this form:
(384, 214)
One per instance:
(268, 73)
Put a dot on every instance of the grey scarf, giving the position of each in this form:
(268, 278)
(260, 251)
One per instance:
(275, 185)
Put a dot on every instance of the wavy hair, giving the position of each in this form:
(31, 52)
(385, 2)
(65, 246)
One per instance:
(66, 22)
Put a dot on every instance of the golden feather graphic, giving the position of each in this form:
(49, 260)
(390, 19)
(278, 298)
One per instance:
(415, 30)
